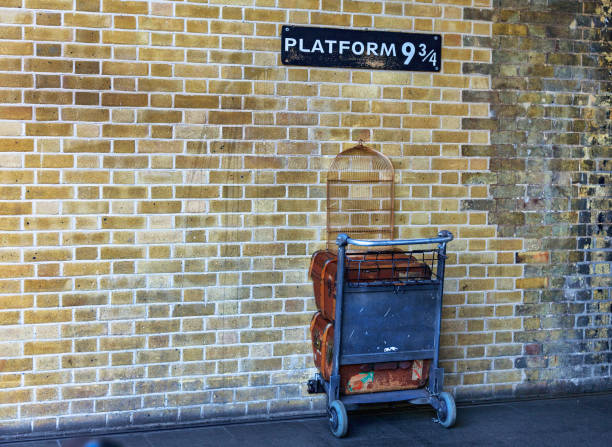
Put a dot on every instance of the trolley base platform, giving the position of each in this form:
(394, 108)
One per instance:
(443, 403)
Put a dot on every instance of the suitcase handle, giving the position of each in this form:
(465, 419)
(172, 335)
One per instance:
(443, 238)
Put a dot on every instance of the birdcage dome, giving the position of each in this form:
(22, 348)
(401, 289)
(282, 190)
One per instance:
(360, 195)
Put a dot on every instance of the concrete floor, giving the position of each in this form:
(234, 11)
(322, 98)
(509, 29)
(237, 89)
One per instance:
(578, 421)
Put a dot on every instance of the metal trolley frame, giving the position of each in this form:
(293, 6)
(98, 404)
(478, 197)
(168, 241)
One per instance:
(387, 322)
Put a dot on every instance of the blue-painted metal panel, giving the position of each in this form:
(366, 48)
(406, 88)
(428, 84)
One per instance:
(387, 321)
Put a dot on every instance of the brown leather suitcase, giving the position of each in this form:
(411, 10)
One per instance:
(323, 274)
(362, 268)
(322, 335)
(364, 378)
(385, 266)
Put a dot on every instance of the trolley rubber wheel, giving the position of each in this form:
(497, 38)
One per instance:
(338, 419)
(447, 413)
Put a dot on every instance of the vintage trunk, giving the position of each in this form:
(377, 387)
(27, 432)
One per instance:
(364, 378)
(373, 378)
(322, 335)
(367, 268)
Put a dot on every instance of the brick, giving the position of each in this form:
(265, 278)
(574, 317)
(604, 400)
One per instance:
(159, 116)
(510, 29)
(15, 239)
(423, 11)
(476, 284)
(47, 254)
(226, 27)
(87, 21)
(531, 283)
(230, 117)
(16, 145)
(47, 316)
(160, 24)
(47, 347)
(540, 257)
(452, 26)
(124, 99)
(9, 318)
(157, 326)
(322, 18)
(226, 352)
(123, 131)
(449, 164)
(265, 15)
(158, 267)
(49, 192)
(49, 129)
(15, 208)
(200, 11)
(125, 37)
(159, 85)
(84, 207)
(86, 51)
(125, 68)
(226, 87)
(192, 310)
(16, 302)
(125, 7)
(161, 54)
(16, 49)
(40, 33)
(17, 17)
(164, 207)
(45, 97)
(84, 391)
(88, 299)
(119, 252)
(196, 101)
(87, 114)
(84, 360)
(15, 113)
(421, 122)
(15, 396)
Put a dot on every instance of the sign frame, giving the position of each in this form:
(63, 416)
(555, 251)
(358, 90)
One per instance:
(370, 49)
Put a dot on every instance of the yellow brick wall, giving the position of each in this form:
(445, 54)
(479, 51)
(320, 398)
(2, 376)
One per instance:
(162, 184)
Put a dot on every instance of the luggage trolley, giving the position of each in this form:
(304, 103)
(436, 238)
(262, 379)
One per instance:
(395, 319)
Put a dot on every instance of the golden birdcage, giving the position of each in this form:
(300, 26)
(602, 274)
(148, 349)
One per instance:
(360, 195)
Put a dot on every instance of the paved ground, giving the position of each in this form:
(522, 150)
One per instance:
(577, 422)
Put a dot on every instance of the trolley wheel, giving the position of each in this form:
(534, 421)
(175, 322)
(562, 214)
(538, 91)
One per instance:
(338, 419)
(447, 413)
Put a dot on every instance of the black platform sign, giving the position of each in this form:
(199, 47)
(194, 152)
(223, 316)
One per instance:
(382, 50)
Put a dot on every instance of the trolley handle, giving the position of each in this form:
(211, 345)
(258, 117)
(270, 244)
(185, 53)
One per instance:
(443, 238)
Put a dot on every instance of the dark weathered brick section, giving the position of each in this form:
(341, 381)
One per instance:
(550, 183)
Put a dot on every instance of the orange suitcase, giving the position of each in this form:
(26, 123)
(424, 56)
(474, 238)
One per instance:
(358, 379)
(364, 378)
(322, 335)
(385, 266)
(365, 267)
(323, 274)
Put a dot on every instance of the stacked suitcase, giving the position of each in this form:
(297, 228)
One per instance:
(367, 269)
